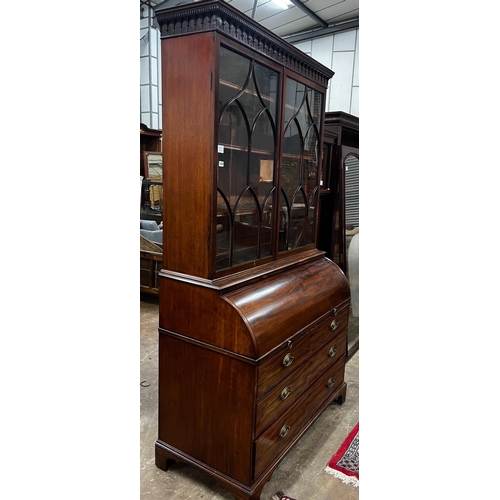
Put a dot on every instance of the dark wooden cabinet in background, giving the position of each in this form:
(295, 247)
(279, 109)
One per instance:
(339, 206)
(151, 183)
(253, 317)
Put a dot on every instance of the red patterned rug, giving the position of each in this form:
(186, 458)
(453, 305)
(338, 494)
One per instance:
(345, 463)
(279, 495)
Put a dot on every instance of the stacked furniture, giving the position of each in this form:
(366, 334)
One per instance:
(339, 206)
(252, 316)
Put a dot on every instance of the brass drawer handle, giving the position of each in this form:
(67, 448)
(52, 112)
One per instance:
(285, 393)
(284, 431)
(334, 325)
(288, 360)
(332, 352)
(330, 383)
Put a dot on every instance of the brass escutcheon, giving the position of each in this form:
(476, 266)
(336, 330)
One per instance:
(330, 382)
(332, 352)
(334, 325)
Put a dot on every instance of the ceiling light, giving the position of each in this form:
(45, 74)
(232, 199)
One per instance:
(284, 4)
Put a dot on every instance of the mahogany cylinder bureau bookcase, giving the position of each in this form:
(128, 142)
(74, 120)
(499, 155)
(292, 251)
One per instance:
(252, 316)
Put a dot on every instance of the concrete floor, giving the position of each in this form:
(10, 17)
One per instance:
(299, 475)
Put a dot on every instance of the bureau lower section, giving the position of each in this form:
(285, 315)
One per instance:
(234, 410)
(213, 427)
(211, 414)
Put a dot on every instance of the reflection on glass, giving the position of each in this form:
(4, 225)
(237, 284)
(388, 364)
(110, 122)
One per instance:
(300, 179)
(246, 228)
(265, 228)
(298, 214)
(246, 156)
(223, 226)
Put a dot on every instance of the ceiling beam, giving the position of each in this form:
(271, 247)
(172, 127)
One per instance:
(349, 25)
(310, 13)
(254, 7)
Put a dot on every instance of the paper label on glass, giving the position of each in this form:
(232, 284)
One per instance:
(221, 164)
(220, 148)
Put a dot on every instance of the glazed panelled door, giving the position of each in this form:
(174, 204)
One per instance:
(299, 175)
(247, 146)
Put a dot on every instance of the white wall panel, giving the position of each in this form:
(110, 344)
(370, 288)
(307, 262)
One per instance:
(341, 84)
(340, 53)
(144, 70)
(154, 121)
(355, 101)
(154, 98)
(154, 70)
(305, 46)
(345, 40)
(322, 50)
(145, 103)
(150, 78)
(355, 79)
(154, 34)
(160, 96)
(144, 45)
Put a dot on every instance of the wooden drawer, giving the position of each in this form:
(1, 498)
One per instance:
(292, 387)
(297, 418)
(298, 351)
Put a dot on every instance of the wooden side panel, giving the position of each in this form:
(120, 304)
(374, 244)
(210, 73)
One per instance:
(206, 406)
(188, 152)
(200, 313)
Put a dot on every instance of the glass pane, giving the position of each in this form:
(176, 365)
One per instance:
(311, 160)
(283, 226)
(233, 162)
(250, 103)
(297, 236)
(246, 153)
(263, 136)
(246, 229)
(266, 82)
(295, 97)
(300, 167)
(223, 232)
(234, 72)
(311, 217)
(291, 165)
(265, 236)
(315, 101)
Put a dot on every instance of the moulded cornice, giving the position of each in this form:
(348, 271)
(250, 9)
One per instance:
(342, 118)
(216, 15)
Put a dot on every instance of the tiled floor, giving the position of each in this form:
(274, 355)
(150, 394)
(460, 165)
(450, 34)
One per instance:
(300, 474)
